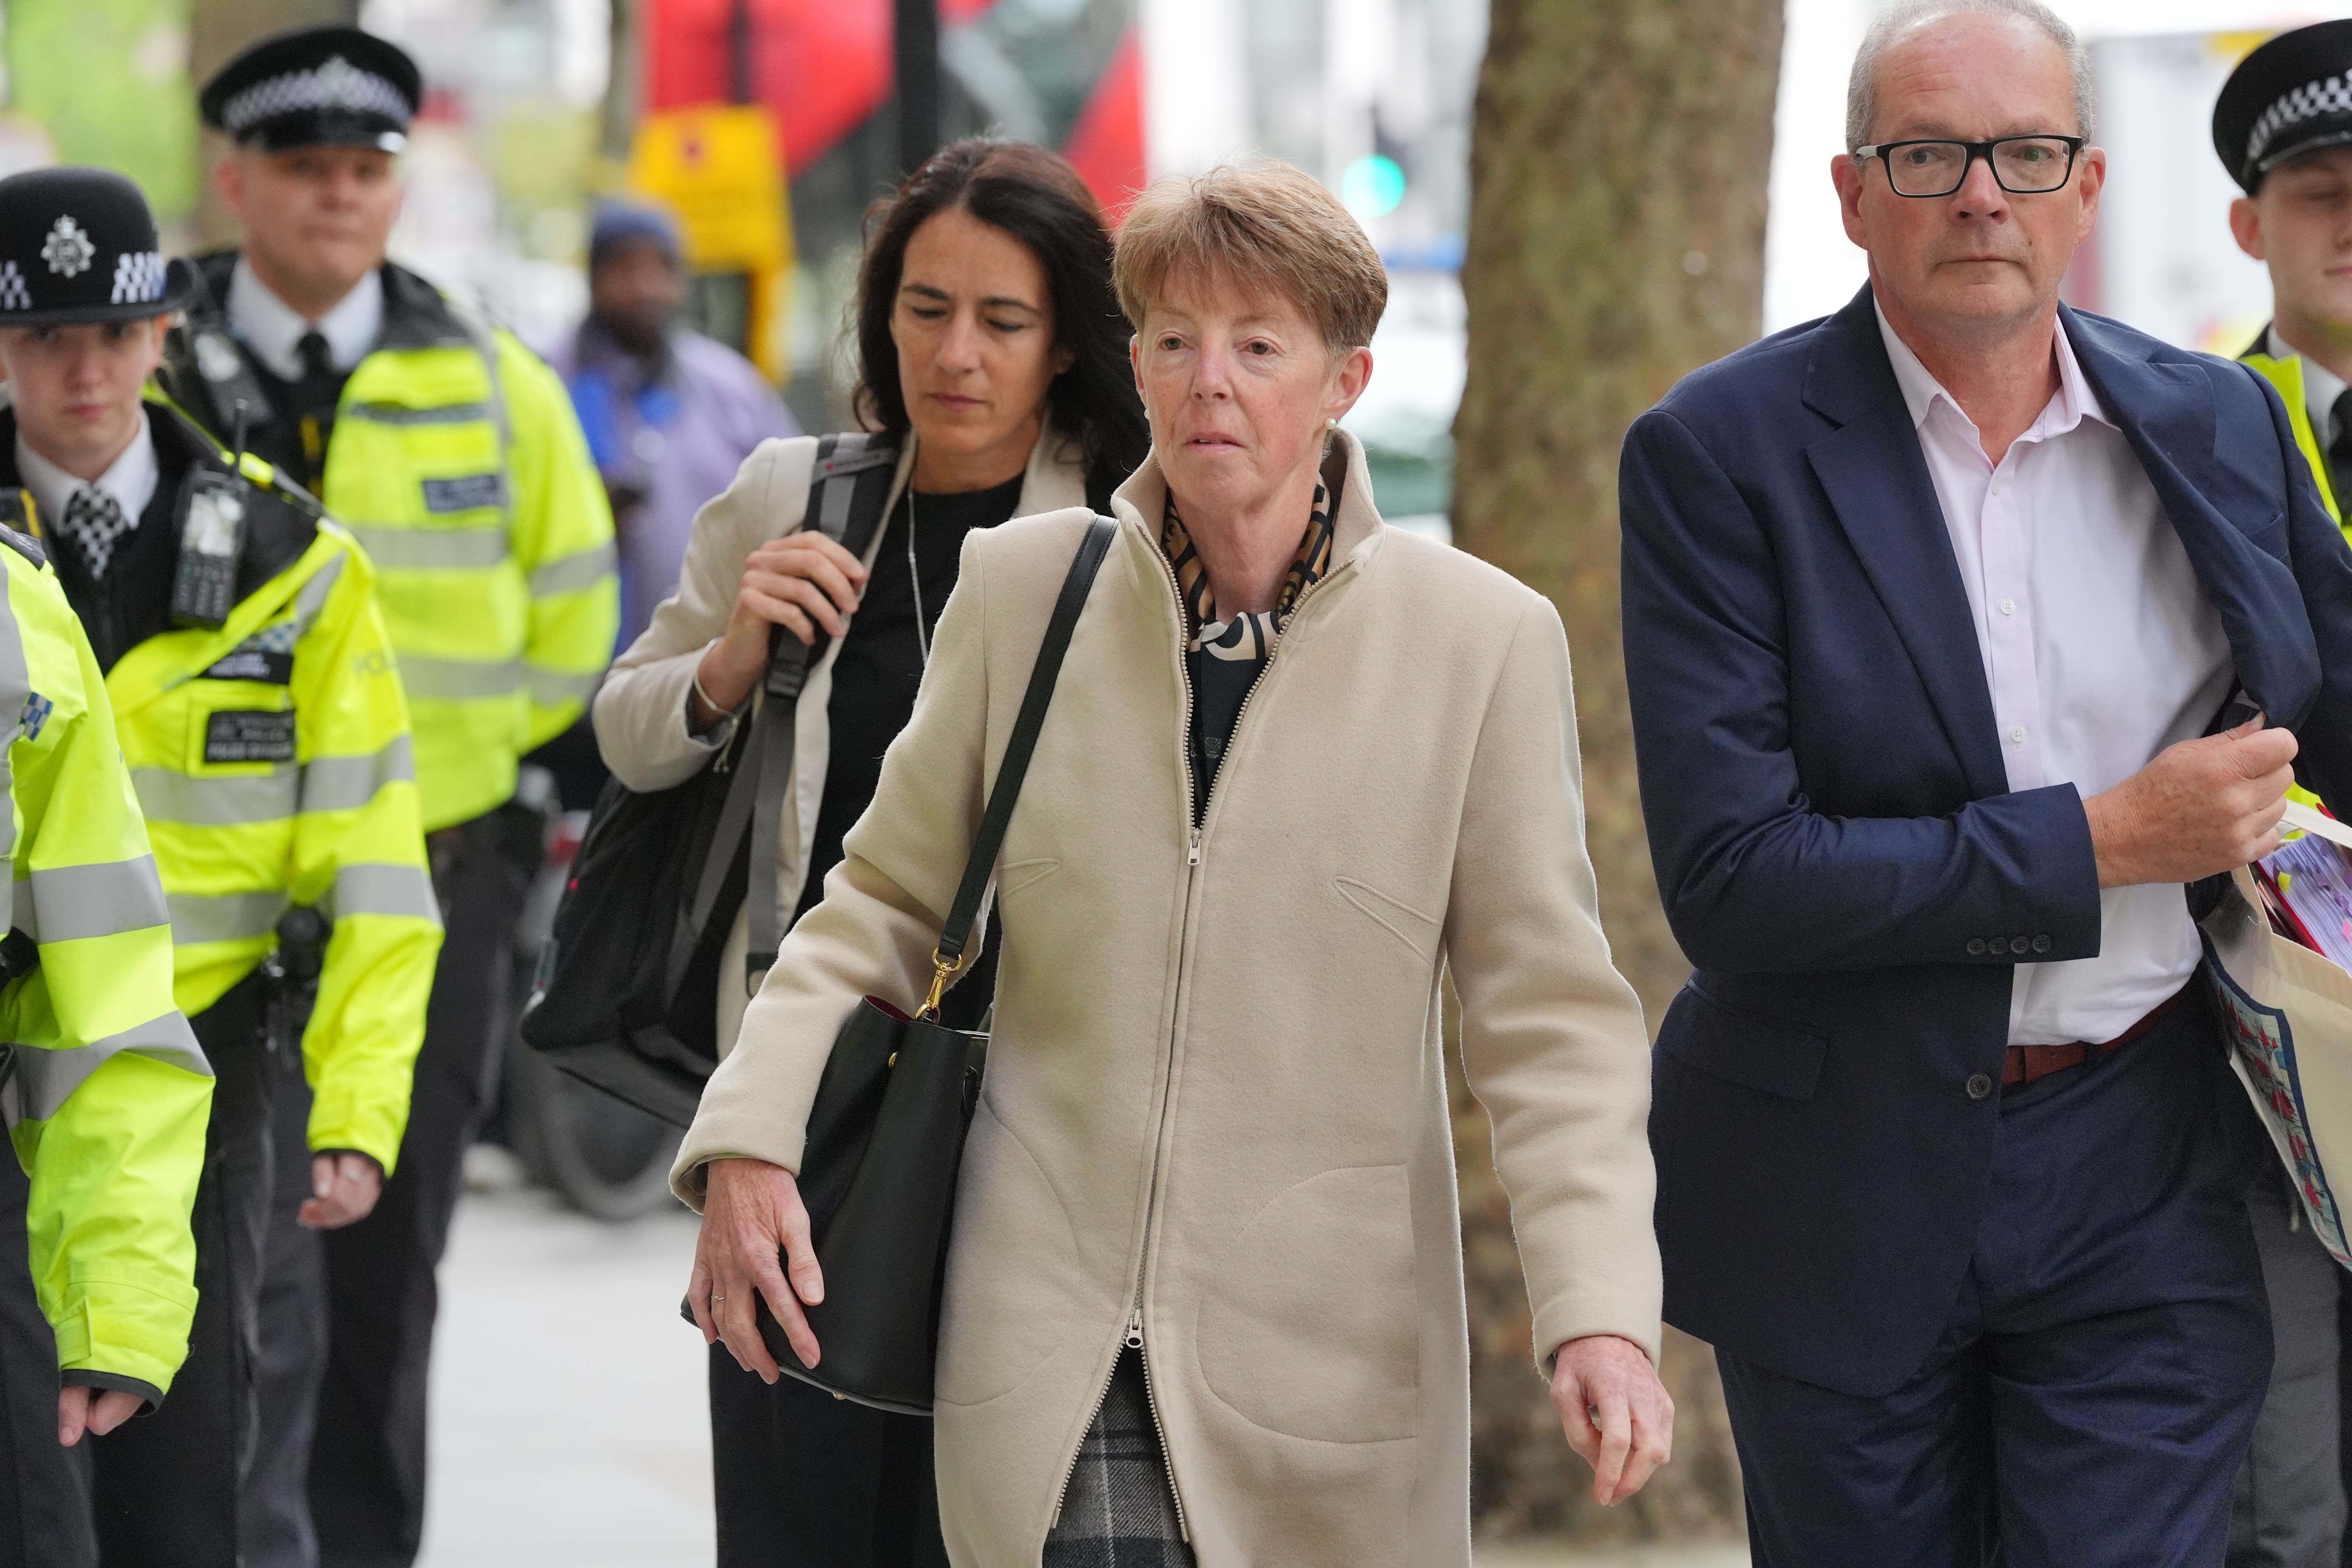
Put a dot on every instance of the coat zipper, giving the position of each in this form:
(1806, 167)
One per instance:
(1131, 1337)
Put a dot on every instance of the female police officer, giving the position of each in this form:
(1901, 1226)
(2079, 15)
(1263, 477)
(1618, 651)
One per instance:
(256, 701)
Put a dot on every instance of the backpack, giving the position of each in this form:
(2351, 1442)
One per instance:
(626, 994)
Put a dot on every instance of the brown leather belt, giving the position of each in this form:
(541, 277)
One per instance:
(2024, 1064)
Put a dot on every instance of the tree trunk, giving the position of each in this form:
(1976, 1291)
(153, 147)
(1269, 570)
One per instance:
(1616, 242)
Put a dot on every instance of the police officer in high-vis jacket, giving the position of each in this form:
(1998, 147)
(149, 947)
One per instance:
(256, 700)
(453, 453)
(103, 1088)
(2283, 127)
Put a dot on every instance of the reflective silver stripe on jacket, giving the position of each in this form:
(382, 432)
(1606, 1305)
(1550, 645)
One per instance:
(570, 573)
(43, 1080)
(16, 686)
(458, 679)
(552, 687)
(431, 548)
(347, 784)
(313, 599)
(66, 903)
(225, 917)
(166, 795)
(400, 414)
(383, 889)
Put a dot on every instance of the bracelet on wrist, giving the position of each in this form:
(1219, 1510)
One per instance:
(721, 709)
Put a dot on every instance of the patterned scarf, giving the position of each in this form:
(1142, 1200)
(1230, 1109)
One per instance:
(1250, 634)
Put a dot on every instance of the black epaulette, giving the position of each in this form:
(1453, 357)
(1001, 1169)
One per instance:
(17, 526)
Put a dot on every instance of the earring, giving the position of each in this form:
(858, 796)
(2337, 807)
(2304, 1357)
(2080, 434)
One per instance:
(1330, 424)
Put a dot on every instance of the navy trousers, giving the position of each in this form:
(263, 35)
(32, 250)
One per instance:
(2096, 1386)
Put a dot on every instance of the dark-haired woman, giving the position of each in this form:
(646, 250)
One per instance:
(992, 350)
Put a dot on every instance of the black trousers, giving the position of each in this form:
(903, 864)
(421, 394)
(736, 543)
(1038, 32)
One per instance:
(800, 1479)
(367, 1454)
(45, 1521)
(167, 1486)
(293, 1347)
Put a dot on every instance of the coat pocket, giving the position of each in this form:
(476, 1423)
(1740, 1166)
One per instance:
(1013, 1269)
(1756, 1052)
(1417, 931)
(1308, 1327)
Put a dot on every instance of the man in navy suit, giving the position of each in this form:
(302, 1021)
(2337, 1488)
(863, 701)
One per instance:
(1964, 632)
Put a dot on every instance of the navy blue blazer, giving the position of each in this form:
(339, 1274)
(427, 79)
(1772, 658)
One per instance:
(1836, 845)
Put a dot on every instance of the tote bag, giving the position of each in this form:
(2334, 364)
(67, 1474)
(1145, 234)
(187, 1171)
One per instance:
(2286, 1012)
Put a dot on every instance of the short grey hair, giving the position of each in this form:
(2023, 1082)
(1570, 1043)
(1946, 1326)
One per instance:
(1861, 86)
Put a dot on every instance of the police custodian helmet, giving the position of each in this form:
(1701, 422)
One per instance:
(316, 86)
(2291, 95)
(78, 247)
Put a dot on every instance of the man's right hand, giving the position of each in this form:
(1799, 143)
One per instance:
(803, 582)
(752, 1212)
(2201, 808)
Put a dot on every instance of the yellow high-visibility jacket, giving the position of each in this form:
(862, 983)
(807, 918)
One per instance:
(2287, 374)
(456, 460)
(106, 1090)
(272, 759)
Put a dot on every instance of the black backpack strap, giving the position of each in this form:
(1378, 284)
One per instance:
(955, 937)
(848, 489)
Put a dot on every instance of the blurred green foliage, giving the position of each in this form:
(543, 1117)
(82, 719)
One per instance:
(108, 80)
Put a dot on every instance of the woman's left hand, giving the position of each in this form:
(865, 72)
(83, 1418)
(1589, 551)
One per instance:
(1618, 1415)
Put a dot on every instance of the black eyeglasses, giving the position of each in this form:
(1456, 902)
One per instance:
(2024, 165)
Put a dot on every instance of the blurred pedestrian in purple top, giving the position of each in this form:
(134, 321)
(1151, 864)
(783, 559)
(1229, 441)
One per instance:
(670, 413)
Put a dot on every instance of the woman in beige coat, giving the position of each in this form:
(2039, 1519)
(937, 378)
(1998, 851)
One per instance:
(1204, 1299)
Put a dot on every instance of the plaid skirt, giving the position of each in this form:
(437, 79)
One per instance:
(1119, 1511)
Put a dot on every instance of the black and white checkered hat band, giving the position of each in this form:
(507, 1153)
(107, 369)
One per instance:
(137, 276)
(140, 276)
(2329, 95)
(338, 84)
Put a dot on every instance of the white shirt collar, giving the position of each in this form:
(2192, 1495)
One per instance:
(130, 479)
(2074, 402)
(2321, 388)
(273, 329)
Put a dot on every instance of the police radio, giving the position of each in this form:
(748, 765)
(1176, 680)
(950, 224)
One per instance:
(212, 536)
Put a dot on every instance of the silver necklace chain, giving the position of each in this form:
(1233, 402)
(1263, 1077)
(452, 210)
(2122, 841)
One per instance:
(915, 576)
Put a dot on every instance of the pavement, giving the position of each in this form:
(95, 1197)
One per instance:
(568, 1423)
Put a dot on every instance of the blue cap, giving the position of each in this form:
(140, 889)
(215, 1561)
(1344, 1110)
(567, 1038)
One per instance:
(618, 223)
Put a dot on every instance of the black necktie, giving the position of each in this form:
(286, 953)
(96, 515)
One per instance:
(317, 362)
(314, 402)
(2339, 451)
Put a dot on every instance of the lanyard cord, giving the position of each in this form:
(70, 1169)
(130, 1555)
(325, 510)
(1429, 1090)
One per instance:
(915, 576)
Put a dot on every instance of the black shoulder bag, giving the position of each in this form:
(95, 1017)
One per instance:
(886, 1133)
(623, 998)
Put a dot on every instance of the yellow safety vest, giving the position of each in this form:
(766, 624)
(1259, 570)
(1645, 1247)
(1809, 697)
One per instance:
(2287, 374)
(106, 1090)
(457, 462)
(272, 758)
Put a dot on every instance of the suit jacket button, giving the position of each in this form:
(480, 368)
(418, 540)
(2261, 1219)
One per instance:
(1978, 1085)
(2019, 944)
(1976, 947)
(2041, 944)
(1997, 944)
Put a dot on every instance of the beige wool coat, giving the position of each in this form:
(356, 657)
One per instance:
(640, 712)
(1214, 1100)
